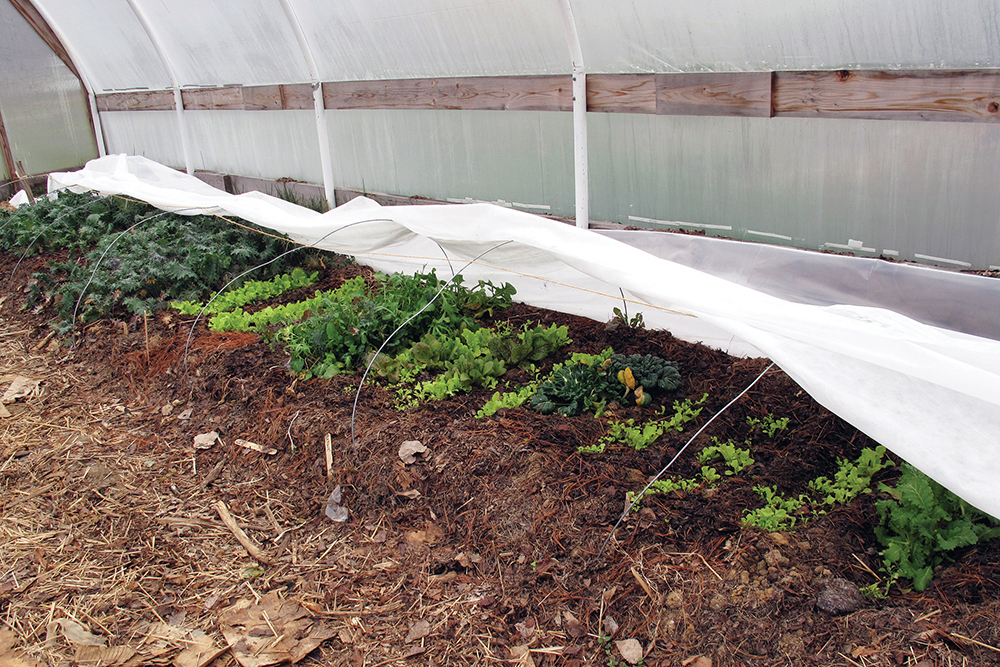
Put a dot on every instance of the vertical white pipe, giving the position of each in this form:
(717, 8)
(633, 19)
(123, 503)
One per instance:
(326, 163)
(581, 180)
(95, 114)
(174, 83)
(86, 77)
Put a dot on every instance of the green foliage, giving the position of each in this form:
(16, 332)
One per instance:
(249, 292)
(468, 360)
(643, 374)
(778, 513)
(578, 385)
(923, 524)
(71, 221)
(851, 479)
(509, 399)
(167, 257)
(641, 436)
(768, 425)
(622, 319)
(342, 333)
(736, 459)
(530, 345)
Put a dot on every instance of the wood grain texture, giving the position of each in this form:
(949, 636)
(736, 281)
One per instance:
(201, 99)
(897, 95)
(524, 93)
(714, 94)
(912, 95)
(262, 98)
(143, 100)
(296, 96)
(621, 93)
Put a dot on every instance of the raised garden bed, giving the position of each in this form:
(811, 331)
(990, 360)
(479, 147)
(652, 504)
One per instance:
(491, 545)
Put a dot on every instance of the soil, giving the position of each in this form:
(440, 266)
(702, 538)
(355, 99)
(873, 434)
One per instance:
(495, 546)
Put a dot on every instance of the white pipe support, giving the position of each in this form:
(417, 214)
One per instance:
(319, 105)
(85, 77)
(581, 177)
(580, 158)
(174, 83)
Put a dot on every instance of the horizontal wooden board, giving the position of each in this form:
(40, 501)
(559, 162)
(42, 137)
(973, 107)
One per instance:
(893, 95)
(143, 100)
(522, 93)
(714, 94)
(621, 93)
(213, 98)
(897, 95)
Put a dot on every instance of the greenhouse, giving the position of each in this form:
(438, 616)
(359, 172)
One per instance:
(438, 332)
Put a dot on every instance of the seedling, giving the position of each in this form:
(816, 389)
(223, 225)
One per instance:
(768, 425)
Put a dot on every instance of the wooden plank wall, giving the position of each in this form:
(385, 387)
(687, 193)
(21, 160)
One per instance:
(968, 96)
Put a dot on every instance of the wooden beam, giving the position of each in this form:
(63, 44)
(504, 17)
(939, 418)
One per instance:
(897, 95)
(621, 93)
(142, 100)
(714, 94)
(41, 26)
(201, 99)
(512, 93)
(894, 95)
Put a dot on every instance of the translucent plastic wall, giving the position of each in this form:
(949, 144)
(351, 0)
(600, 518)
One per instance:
(520, 158)
(920, 189)
(42, 103)
(758, 35)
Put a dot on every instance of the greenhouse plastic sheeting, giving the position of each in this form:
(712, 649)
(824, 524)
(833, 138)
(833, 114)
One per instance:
(926, 393)
(43, 105)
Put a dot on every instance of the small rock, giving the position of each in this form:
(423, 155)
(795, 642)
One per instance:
(774, 558)
(630, 649)
(166, 410)
(840, 597)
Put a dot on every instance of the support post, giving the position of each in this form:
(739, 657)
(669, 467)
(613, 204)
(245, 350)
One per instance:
(174, 83)
(581, 179)
(319, 106)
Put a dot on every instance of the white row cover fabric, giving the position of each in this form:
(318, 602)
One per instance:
(928, 394)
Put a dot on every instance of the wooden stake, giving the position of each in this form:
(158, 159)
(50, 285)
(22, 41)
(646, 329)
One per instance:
(328, 446)
(248, 544)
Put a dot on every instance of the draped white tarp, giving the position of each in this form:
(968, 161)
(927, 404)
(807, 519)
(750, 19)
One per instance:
(928, 394)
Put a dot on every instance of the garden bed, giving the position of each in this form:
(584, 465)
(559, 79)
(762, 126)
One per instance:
(494, 545)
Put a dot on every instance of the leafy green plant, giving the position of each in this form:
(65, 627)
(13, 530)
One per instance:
(778, 513)
(509, 399)
(578, 385)
(641, 436)
(643, 374)
(735, 458)
(768, 425)
(342, 333)
(922, 525)
(851, 479)
(622, 319)
(249, 292)
(166, 257)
